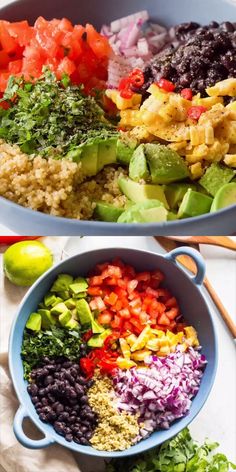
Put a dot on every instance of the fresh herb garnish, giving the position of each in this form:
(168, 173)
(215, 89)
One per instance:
(51, 117)
(180, 454)
(55, 342)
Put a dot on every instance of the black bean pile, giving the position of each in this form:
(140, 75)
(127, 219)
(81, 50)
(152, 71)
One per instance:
(203, 56)
(59, 394)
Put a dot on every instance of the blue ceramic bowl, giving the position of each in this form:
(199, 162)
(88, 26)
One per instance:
(167, 12)
(193, 306)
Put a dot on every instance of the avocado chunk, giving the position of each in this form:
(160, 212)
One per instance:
(50, 299)
(175, 193)
(172, 216)
(107, 152)
(72, 324)
(225, 196)
(215, 177)
(165, 165)
(86, 317)
(98, 339)
(34, 322)
(58, 309)
(65, 317)
(80, 295)
(149, 211)
(125, 149)
(62, 283)
(194, 204)
(107, 212)
(47, 319)
(70, 303)
(141, 192)
(78, 285)
(138, 168)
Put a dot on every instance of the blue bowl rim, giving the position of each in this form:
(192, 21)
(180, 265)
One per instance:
(90, 451)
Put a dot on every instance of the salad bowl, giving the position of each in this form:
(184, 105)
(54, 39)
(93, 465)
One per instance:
(188, 292)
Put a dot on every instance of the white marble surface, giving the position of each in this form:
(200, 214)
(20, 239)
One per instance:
(217, 420)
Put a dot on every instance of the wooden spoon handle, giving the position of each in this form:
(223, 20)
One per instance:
(222, 241)
(224, 313)
(187, 262)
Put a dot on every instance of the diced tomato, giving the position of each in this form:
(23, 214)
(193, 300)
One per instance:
(99, 44)
(112, 271)
(125, 313)
(117, 322)
(15, 67)
(143, 276)
(4, 77)
(187, 93)
(166, 85)
(163, 320)
(131, 285)
(195, 112)
(8, 43)
(94, 291)
(172, 302)
(111, 299)
(4, 59)
(66, 66)
(128, 326)
(105, 318)
(21, 31)
(172, 313)
(65, 25)
(97, 304)
(95, 280)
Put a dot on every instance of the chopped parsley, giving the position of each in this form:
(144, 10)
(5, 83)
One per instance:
(51, 117)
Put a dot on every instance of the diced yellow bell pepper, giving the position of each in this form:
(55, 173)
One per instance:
(153, 344)
(191, 335)
(142, 339)
(225, 87)
(164, 351)
(125, 348)
(140, 355)
(123, 103)
(230, 160)
(156, 92)
(207, 102)
(125, 363)
(131, 339)
(131, 118)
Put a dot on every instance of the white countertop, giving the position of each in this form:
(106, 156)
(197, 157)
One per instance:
(217, 418)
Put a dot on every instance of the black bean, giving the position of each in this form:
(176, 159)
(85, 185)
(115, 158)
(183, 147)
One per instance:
(84, 441)
(77, 440)
(87, 424)
(69, 437)
(88, 434)
(84, 399)
(38, 405)
(35, 399)
(48, 380)
(44, 401)
(41, 392)
(71, 420)
(43, 417)
(59, 408)
(32, 389)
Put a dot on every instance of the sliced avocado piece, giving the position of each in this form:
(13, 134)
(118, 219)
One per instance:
(70, 303)
(98, 339)
(89, 159)
(194, 204)
(138, 168)
(34, 322)
(125, 149)
(149, 211)
(58, 309)
(225, 196)
(64, 295)
(171, 216)
(79, 285)
(72, 324)
(47, 319)
(107, 212)
(215, 177)
(65, 317)
(165, 165)
(50, 299)
(85, 316)
(62, 283)
(80, 295)
(107, 152)
(175, 193)
(141, 192)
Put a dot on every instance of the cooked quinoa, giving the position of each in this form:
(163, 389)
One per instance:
(56, 187)
(115, 431)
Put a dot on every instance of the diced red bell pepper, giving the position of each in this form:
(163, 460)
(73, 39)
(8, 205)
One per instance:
(166, 85)
(195, 112)
(187, 94)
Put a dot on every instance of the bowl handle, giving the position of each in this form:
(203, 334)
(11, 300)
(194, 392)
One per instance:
(21, 436)
(195, 255)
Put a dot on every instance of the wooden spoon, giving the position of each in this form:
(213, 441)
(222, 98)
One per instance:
(222, 241)
(188, 262)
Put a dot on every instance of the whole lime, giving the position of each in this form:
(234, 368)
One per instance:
(25, 261)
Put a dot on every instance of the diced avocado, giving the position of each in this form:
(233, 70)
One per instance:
(107, 212)
(85, 316)
(175, 193)
(194, 204)
(78, 285)
(62, 283)
(89, 159)
(47, 319)
(171, 216)
(65, 317)
(58, 309)
(165, 165)
(107, 152)
(57, 300)
(70, 303)
(75, 154)
(98, 339)
(215, 177)
(138, 168)
(149, 211)
(80, 295)
(225, 196)
(50, 299)
(72, 324)
(142, 192)
(64, 295)
(34, 322)
(125, 149)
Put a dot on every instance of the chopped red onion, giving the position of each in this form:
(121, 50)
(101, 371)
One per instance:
(161, 392)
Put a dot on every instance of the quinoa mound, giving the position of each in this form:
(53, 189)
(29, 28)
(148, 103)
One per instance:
(55, 186)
